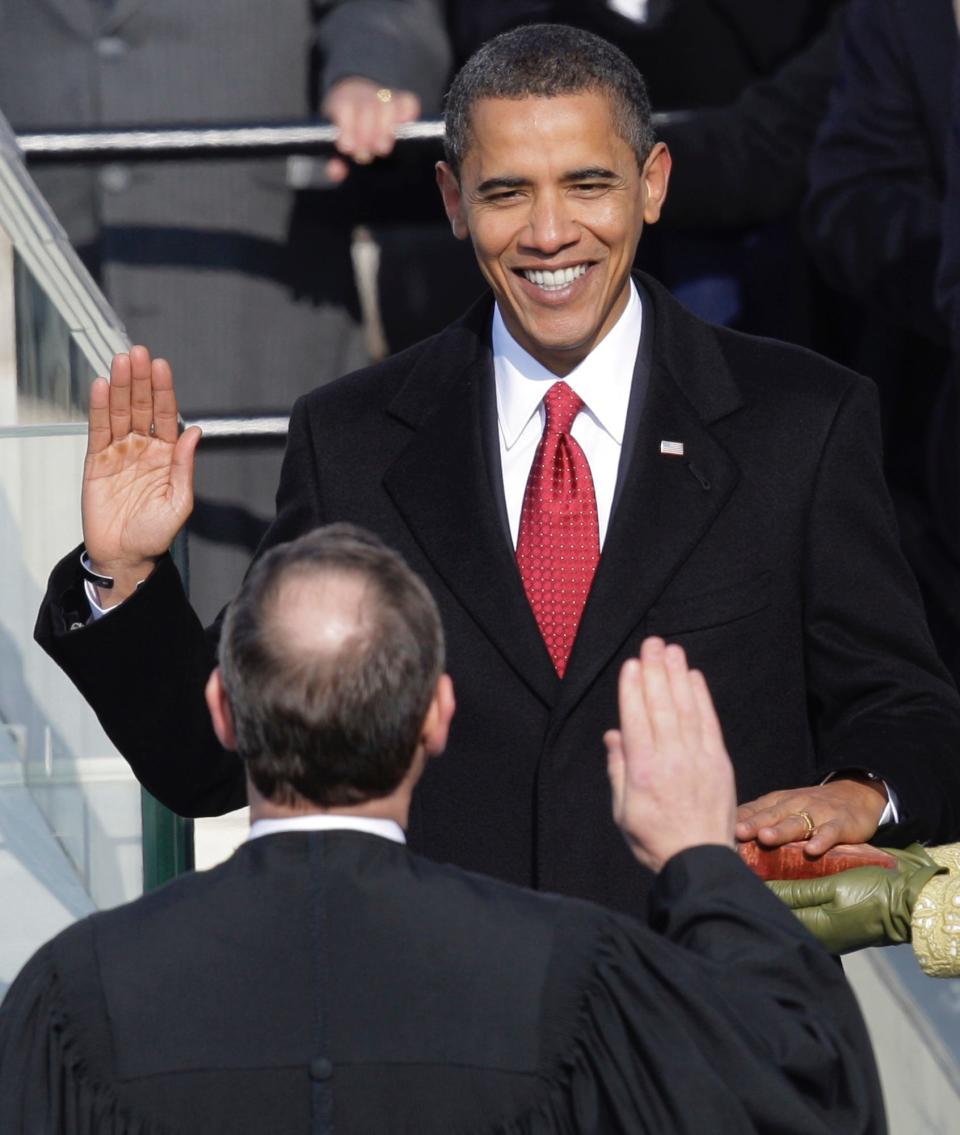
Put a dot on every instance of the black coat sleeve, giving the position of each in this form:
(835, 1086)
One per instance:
(56, 1048)
(399, 43)
(725, 1016)
(143, 667)
(879, 697)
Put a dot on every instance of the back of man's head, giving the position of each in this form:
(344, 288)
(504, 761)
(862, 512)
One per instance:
(330, 654)
(546, 61)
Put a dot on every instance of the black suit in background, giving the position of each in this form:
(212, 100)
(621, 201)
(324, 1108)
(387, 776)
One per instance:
(333, 981)
(768, 551)
(743, 84)
(948, 268)
(878, 179)
(878, 170)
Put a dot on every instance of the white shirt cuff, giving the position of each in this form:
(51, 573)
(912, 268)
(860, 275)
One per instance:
(96, 611)
(93, 599)
(891, 810)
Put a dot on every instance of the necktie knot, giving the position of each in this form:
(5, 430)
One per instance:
(562, 405)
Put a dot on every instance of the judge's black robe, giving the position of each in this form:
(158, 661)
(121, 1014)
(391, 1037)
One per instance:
(338, 982)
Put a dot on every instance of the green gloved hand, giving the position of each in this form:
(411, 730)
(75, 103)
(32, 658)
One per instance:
(865, 906)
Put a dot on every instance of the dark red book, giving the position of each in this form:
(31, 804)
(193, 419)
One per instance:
(791, 862)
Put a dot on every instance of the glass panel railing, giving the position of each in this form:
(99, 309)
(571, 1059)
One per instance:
(64, 331)
(52, 376)
(71, 817)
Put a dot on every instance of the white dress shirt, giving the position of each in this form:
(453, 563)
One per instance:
(603, 380)
(328, 822)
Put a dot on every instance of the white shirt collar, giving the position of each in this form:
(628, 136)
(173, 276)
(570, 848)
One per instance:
(328, 821)
(602, 380)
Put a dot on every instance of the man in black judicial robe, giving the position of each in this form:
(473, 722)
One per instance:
(327, 979)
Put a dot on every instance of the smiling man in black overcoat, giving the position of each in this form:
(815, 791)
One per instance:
(725, 491)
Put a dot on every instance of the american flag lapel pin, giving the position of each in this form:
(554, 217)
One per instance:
(672, 448)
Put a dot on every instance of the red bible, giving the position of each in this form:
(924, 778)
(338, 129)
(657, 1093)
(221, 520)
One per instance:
(790, 862)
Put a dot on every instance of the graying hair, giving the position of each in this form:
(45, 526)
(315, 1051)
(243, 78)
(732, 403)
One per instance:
(333, 725)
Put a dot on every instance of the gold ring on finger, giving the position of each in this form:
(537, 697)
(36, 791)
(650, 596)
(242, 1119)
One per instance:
(809, 826)
(385, 94)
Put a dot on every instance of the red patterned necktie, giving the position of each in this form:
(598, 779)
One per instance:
(559, 542)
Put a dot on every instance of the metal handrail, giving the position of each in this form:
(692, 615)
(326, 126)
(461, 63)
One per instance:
(223, 428)
(230, 428)
(214, 141)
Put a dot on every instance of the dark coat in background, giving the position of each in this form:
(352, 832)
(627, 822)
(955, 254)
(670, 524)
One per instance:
(948, 269)
(878, 180)
(878, 171)
(362, 990)
(768, 551)
(743, 84)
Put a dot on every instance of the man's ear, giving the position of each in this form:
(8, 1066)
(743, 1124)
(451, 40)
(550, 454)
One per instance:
(449, 187)
(220, 712)
(436, 725)
(656, 178)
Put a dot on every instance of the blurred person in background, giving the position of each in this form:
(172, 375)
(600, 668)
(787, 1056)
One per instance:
(244, 283)
(875, 223)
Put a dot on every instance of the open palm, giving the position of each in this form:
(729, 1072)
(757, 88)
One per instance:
(138, 472)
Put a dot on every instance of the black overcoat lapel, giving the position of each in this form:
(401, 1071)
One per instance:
(441, 486)
(668, 502)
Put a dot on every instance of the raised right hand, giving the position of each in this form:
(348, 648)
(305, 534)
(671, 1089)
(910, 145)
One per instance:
(138, 472)
(671, 777)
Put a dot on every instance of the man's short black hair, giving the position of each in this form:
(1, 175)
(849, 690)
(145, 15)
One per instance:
(330, 655)
(544, 61)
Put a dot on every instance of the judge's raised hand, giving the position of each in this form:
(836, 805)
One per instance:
(138, 472)
(672, 781)
(844, 810)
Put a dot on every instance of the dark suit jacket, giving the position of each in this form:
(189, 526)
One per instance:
(768, 550)
(334, 981)
(948, 269)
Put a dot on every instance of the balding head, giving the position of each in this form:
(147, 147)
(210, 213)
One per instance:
(318, 613)
(330, 655)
